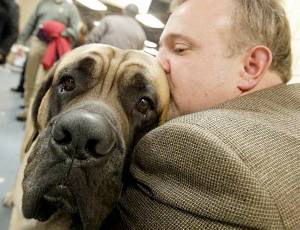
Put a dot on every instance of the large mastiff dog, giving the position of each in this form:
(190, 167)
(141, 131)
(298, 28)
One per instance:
(97, 102)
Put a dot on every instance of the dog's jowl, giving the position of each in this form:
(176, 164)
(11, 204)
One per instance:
(96, 103)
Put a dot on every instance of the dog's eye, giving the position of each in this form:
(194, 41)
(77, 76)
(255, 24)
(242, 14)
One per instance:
(143, 105)
(66, 83)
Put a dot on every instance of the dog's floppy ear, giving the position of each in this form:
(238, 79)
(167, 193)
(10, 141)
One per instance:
(172, 111)
(164, 98)
(32, 126)
(164, 116)
(39, 98)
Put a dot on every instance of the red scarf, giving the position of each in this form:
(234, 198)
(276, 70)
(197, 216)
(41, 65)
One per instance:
(57, 45)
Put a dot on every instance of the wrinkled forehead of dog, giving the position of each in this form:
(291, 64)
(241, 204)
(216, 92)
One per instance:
(109, 64)
(102, 71)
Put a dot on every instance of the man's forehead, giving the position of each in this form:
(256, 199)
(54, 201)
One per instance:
(194, 15)
(204, 9)
(177, 26)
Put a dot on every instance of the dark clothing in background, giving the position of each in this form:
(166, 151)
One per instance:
(118, 30)
(9, 21)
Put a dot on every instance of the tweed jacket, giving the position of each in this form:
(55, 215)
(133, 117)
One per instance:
(235, 166)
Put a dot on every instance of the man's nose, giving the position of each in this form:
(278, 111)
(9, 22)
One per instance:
(163, 62)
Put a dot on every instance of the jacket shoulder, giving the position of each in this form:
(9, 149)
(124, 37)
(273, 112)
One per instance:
(187, 168)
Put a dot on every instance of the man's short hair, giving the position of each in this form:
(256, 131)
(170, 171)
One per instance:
(260, 22)
(264, 22)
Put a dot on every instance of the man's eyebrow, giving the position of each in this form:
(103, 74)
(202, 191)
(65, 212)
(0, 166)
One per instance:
(173, 36)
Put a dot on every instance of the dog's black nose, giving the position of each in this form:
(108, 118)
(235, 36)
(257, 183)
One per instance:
(81, 134)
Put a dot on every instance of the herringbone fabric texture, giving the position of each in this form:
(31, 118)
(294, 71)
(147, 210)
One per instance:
(236, 166)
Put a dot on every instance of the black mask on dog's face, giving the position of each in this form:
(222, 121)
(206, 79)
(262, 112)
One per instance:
(75, 165)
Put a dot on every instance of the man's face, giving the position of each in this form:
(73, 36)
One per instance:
(194, 53)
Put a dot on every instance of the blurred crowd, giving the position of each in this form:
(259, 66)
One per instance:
(54, 28)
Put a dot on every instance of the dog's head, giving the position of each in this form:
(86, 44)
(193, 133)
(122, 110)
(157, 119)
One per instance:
(93, 107)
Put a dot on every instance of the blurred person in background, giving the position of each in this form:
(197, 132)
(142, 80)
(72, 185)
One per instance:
(122, 31)
(57, 10)
(9, 21)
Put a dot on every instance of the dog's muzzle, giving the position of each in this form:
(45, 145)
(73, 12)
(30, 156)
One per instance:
(82, 134)
(79, 155)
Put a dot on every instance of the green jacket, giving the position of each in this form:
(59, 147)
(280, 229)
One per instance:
(236, 166)
(64, 12)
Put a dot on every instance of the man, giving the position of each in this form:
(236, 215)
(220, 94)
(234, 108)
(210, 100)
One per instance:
(9, 21)
(59, 10)
(232, 162)
(122, 31)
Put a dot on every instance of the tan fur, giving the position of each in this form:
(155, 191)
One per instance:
(110, 61)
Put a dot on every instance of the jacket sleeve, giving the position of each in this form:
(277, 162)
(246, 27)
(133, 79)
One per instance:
(10, 31)
(185, 177)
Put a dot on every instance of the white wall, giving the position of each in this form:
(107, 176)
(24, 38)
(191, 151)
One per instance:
(293, 11)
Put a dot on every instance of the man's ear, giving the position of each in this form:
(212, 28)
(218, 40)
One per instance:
(256, 63)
